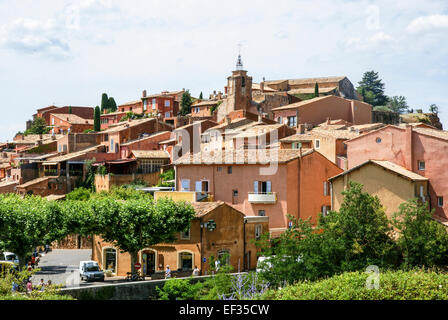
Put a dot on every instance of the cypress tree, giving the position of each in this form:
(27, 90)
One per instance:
(70, 110)
(316, 90)
(104, 102)
(97, 119)
(201, 96)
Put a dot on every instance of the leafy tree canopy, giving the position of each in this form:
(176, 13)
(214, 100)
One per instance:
(186, 102)
(398, 104)
(372, 88)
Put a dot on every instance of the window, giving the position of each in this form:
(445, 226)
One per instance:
(110, 259)
(258, 231)
(378, 140)
(440, 202)
(219, 169)
(224, 257)
(261, 213)
(317, 144)
(185, 185)
(154, 102)
(185, 261)
(326, 188)
(243, 82)
(202, 186)
(292, 121)
(167, 114)
(167, 103)
(279, 119)
(112, 145)
(235, 193)
(421, 165)
(297, 145)
(324, 211)
(262, 186)
(145, 104)
(229, 169)
(185, 235)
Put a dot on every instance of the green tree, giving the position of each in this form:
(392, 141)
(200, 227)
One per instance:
(104, 102)
(357, 236)
(137, 224)
(316, 90)
(186, 102)
(434, 109)
(80, 194)
(97, 119)
(422, 240)
(398, 104)
(372, 88)
(201, 97)
(89, 181)
(26, 223)
(70, 110)
(112, 105)
(38, 126)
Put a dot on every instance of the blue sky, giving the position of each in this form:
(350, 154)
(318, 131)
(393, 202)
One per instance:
(69, 52)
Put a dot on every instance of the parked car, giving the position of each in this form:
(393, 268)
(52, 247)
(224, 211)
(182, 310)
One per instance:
(9, 256)
(90, 271)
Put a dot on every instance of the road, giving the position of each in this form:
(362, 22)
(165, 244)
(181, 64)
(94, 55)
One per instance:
(60, 265)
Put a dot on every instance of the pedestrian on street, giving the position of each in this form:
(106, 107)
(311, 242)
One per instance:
(195, 271)
(33, 261)
(29, 286)
(167, 272)
(29, 268)
(42, 285)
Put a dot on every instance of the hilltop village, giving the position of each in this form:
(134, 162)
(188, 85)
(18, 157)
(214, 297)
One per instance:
(245, 158)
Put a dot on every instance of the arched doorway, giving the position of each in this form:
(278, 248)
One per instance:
(185, 260)
(148, 262)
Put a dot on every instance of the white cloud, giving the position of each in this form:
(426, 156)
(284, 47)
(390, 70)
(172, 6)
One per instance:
(377, 41)
(33, 36)
(428, 23)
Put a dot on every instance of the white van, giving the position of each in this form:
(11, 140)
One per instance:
(9, 256)
(90, 271)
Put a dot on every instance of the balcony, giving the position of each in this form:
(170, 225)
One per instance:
(263, 198)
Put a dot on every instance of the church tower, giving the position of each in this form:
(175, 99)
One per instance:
(239, 88)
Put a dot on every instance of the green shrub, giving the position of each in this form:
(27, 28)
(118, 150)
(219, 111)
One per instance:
(179, 289)
(393, 285)
(79, 194)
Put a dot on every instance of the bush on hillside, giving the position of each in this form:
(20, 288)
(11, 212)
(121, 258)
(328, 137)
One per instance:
(393, 285)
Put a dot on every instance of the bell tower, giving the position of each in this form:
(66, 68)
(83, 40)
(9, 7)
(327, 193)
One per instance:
(239, 88)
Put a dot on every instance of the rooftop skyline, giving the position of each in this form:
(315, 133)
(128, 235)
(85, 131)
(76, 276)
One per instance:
(69, 53)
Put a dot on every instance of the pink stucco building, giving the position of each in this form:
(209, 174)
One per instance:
(420, 150)
(298, 187)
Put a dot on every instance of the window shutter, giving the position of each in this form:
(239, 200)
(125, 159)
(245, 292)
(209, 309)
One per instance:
(255, 186)
(268, 186)
(325, 188)
(198, 186)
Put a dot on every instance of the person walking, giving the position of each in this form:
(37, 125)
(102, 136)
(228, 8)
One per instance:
(167, 272)
(33, 261)
(195, 271)
(42, 285)
(29, 286)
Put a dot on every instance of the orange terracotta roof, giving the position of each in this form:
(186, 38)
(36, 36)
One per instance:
(72, 118)
(303, 103)
(243, 156)
(203, 208)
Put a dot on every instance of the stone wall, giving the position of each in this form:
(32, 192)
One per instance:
(385, 117)
(73, 241)
(139, 290)
(105, 183)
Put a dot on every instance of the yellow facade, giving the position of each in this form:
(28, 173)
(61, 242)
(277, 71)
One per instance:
(391, 188)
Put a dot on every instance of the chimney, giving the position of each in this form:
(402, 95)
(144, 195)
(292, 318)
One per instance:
(228, 120)
(262, 86)
(219, 95)
(144, 94)
(40, 136)
(260, 117)
(301, 129)
(328, 121)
